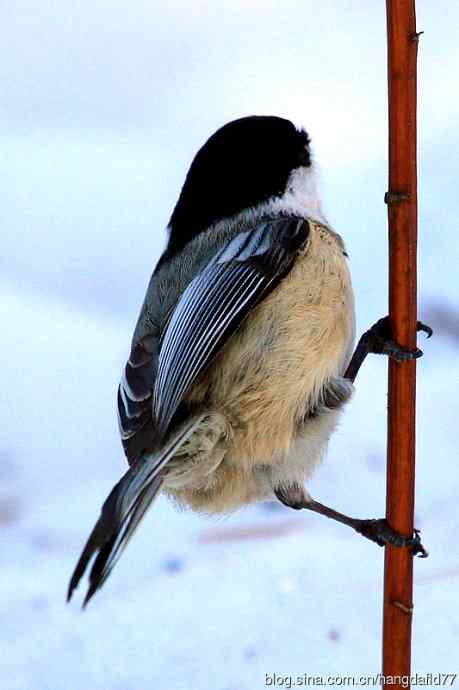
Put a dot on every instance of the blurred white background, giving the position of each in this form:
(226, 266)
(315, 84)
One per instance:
(102, 108)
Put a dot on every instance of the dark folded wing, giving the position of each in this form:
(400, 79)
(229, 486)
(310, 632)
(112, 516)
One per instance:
(135, 398)
(213, 305)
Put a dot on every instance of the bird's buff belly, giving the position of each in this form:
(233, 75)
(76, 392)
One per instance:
(265, 383)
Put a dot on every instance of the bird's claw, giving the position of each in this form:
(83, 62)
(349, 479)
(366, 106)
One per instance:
(382, 534)
(400, 353)
(425, 328)
(380, 341)
(418, 548)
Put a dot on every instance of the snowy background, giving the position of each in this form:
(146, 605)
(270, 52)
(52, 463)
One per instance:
(103, 106)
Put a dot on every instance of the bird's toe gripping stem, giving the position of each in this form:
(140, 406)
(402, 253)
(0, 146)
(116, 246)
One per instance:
(379, 340)
(381, 533)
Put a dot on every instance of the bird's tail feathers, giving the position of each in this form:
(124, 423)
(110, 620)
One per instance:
(124, 509)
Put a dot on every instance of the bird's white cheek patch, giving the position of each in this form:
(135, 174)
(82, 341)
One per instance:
(301, 196)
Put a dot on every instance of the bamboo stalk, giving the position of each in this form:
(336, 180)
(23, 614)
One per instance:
(402, 212)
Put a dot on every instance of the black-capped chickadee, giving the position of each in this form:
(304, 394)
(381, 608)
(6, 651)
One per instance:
(241, 359)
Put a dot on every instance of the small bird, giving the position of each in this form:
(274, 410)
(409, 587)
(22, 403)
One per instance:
(242, 357)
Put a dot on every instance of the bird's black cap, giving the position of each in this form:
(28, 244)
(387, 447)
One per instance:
(243, 164)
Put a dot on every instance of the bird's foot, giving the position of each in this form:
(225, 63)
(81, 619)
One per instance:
(379, 340)
(381, 533)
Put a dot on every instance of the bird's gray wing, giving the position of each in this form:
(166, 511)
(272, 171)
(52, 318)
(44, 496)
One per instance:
(135, 394)
(215, 302)
(160, 371)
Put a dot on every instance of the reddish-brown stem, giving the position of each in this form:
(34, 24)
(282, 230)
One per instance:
(402, 210)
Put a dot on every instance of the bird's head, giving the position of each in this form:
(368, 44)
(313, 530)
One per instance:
(246, 163)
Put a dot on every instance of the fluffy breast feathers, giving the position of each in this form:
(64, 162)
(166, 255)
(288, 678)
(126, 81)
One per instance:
(264, 384)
